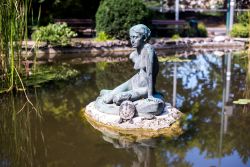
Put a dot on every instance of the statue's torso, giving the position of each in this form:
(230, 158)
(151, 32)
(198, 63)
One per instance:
(139, 80)
(140, 62)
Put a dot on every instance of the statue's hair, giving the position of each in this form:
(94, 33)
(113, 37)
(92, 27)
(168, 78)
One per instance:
(142, 30)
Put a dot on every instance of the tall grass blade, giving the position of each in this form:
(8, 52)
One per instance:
(13, 31)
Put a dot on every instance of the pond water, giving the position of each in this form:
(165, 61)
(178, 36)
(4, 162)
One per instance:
(216, 132)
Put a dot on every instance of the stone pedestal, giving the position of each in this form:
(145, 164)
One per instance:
(166, 124)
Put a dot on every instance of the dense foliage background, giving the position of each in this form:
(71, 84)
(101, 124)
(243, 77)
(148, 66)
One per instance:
(115, 17)
(51, 9)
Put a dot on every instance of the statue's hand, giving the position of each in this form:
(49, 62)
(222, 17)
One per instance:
(119, 98)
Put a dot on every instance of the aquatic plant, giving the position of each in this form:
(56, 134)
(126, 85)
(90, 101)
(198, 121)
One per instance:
(13, 31)
(242, 101)
(44, 74)
(172, 59)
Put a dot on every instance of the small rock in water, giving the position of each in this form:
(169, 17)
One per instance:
(219, 38)
(218, 53)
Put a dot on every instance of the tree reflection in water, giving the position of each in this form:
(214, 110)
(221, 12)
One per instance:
(215, 129)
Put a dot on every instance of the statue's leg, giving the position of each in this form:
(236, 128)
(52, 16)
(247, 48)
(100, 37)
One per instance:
(139, 94)
(108, 98)
(151, 106)
(131, 95)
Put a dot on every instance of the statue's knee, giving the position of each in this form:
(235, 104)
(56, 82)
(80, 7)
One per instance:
(119, 98)
(104, 91)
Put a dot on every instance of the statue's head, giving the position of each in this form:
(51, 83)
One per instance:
(139, 35)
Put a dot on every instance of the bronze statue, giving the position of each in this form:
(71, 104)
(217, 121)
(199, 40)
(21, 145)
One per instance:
(140, 89)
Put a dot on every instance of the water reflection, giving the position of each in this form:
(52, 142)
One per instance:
(226, 110)
(215, 129)
(20, 133)
(143, 149)
(174, 84)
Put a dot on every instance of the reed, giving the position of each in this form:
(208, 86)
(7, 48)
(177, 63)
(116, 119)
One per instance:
(248, 67)
(13, 31)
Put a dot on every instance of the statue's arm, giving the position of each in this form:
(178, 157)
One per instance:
(149, 68)
(131, 56)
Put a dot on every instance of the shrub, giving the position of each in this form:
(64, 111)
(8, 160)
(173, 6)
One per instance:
(102, 36)
(244, 18)
(191, 32)
(115, 17)
(239, 30)
(175, 37)
(54, 34)
(202, 31)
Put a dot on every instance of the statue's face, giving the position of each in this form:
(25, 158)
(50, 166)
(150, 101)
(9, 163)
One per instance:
(136, 39)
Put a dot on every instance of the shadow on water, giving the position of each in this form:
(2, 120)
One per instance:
(215, 129)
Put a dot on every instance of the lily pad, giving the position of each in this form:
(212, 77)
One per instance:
(46, 73)
(242, 101)
(172, 59)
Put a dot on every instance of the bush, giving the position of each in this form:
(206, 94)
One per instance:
(175, 37)
(102, 36)
(190, 32)
(202, 31)
(244, 18)
(54, 34)
(115, 17)
(239, 30)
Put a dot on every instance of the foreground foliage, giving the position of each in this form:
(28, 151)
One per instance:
(13, 30)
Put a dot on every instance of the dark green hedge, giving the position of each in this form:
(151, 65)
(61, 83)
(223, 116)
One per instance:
(115, 17)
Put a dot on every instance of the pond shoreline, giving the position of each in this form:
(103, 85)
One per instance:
(121, 48)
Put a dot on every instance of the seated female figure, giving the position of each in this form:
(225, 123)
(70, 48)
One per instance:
(140, 89)
(142, 84)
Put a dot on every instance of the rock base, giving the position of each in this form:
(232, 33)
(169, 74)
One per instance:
(166, 124)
